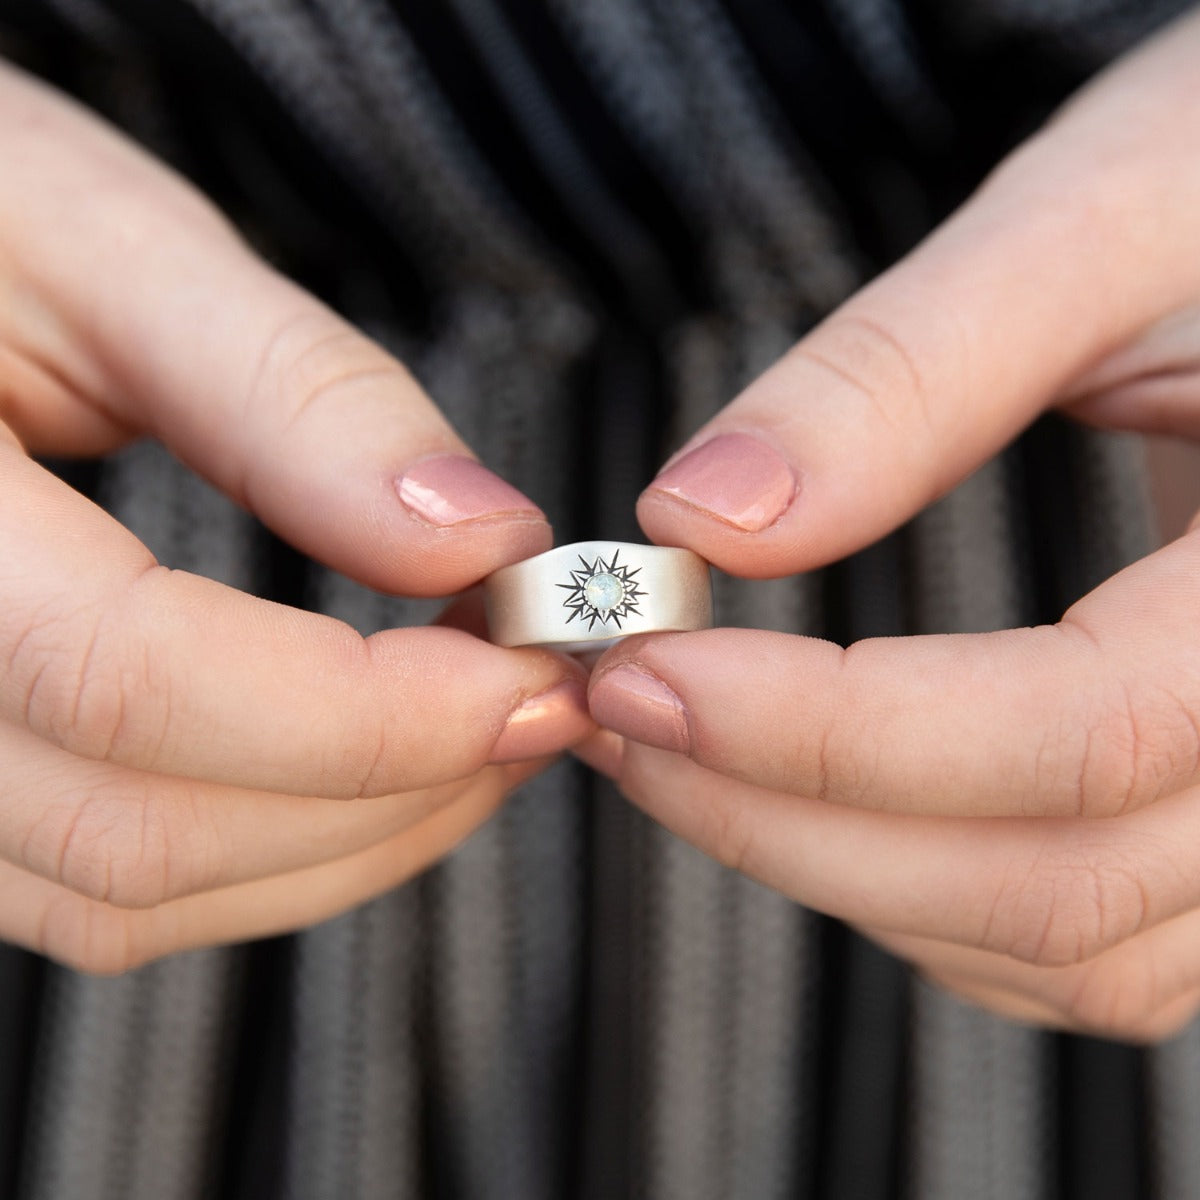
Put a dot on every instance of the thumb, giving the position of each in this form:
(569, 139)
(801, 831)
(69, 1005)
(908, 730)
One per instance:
(164, 322)
(1083, 238)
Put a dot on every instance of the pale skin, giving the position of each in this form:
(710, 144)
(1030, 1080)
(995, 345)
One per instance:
(1018, 813)
(182, 764)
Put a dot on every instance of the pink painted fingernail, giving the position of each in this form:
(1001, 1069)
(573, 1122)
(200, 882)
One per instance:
(630, 701)
(544, 724)
(452, 489)
(736, 478)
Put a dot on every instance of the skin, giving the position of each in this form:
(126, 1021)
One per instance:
(182, 764)
(1017, 813)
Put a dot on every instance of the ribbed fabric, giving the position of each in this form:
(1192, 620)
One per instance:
(1175, 1096)
(128, 1094)
(584, 226)
(982, 1100)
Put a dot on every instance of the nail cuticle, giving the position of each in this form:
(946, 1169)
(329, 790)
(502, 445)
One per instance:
(633, 701)
(752, 526)
(734, 478)
(447, 490)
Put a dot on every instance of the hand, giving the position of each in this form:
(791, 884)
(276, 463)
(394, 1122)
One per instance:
(1016, 813)
(181, 764)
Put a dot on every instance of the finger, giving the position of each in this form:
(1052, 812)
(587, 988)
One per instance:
(603, 752)
(49, 412)
(466, 612)
(1048, 891)
(1152, 385)
(1095, 716)
(1013, 1005)
(135, 839)
(1067, 251)
(166, 322)
(1142, 990)
(99, 938)
(113, 658)
(1159, 1026)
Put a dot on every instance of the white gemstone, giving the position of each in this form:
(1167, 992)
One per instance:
(604, 592)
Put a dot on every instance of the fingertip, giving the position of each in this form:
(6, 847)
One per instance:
(769, 555)
(737, 479)
(465, 521)
(545, 724)
(396, 549)
(604, 752)
(444, 563)
(732, 499)
(630, 700)
(466, 613)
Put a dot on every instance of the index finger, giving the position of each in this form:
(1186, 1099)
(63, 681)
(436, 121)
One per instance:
(1094, 716)
(152, 316)
(114, 657)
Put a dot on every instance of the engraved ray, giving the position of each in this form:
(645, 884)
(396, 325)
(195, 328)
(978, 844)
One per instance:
(577, 601)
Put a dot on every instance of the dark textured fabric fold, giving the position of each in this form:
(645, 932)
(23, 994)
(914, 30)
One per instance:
(584, 226)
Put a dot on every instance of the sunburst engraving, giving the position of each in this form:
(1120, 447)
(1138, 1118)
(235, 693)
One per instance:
(602, 591)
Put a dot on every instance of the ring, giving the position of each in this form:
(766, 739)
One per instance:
(590, 594)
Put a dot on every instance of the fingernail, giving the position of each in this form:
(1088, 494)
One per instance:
(735, 478)
(544, 724)
(451, 489)
(632, 702)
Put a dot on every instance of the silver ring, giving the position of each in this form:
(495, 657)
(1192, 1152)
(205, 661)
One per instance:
(590, 594)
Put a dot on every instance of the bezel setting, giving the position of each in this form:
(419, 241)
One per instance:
(602, 573)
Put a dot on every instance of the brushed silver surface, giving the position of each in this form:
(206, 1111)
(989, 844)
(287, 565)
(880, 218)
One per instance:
(546, 600)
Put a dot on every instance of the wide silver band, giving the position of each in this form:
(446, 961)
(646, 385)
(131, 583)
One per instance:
(587, 595)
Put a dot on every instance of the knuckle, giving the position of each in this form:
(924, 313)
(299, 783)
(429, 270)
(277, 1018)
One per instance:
(310, 357)
(90, 937)
(1159, 1026)
(1130, 742)
(375, 769)
(1092, 763)
(307, 361)
(376, 756)
(869, 353)
(1178, 718)
(38, 662)
(121, 702)
(1061, 767)
(92, 684)
(1141, 744)
(140, 221)
(731, 832)
(840, 761)
(1112, 1001)
(115, 847)
(1083, 215)
(1167, 1021)
(1068, 907)
(92, 713)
